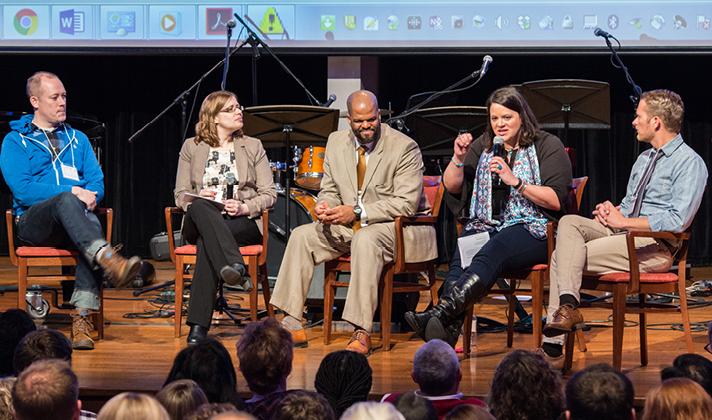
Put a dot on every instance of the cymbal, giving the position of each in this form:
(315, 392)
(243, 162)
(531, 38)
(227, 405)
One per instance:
(383, 112)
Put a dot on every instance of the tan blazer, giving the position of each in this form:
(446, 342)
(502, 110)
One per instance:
(392, 186)
(256, 186)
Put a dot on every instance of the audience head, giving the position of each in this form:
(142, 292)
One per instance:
(7, 412)
(14, 324)
(677, 399)
(524, 386)
(207, 363)
(691, 366)
(413, 407)
(265, 354)
(46, 386)
(436, 369)
(599, 392)
(131, 406)
(233, 415)
(469, 412)
(344, 378)
(181, 398)
(303, 405)
(370, 410)
(42, 344)
(210, 410)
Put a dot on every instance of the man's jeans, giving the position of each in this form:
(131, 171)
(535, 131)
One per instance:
(64, 221)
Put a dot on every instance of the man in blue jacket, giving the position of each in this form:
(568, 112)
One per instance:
(56, 183)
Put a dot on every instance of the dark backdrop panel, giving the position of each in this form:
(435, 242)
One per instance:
(125, 91)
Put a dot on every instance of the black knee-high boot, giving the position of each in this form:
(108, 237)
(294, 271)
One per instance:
(445, 319)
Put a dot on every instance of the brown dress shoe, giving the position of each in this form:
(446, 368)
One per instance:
(299, 338)
(556, 363)
(119, 270)
(82, 329)
(564, 320)
(360, 342)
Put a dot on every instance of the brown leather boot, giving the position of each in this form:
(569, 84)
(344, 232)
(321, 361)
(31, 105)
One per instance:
(119, 270)
(82, 330)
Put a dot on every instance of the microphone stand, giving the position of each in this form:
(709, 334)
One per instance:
(254, 40)
(618, 63)
(226, 60)
(182, 98)
(398, 121)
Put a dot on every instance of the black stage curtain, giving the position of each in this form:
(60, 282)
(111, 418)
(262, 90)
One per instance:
(125, 91)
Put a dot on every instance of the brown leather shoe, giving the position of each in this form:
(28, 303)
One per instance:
(299, 338)
(119, 270)
(564, 319)
(360, 342)
(82, 329)
(556, 363)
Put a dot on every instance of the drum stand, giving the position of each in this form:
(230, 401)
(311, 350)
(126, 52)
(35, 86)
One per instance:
(285, 125)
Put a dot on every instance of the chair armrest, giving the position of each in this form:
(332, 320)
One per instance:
(673, 236)
(417, 220)
(400, 223)
(10, 224)
(633, 256)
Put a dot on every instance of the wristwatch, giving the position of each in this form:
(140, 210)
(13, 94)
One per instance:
(357, 211)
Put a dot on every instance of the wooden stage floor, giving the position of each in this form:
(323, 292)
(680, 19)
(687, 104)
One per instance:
(137, 353)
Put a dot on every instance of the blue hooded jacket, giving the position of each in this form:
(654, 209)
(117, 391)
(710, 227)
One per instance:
(31, 172)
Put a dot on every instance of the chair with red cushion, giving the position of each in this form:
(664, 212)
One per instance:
(27, 257)
(255, 257)
(633, 282)
(433, 190)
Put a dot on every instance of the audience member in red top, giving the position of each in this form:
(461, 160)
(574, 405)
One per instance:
(436, 370)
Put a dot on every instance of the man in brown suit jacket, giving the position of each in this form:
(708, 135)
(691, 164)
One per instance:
(389, 170)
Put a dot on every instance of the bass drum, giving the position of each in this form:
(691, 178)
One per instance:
(301, 211)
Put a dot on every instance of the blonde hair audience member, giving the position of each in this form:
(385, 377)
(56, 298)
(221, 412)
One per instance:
(7, 412)
(677, 399)
(131, 406)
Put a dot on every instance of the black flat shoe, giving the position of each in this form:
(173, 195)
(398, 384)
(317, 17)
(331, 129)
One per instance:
(417, 321)
(234, 275)
(197, 334)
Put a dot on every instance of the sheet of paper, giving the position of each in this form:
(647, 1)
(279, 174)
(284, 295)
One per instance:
(470, 245)
(190, 197)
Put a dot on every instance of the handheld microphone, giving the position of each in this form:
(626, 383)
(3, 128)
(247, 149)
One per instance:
(330, 100)
(600, 32)
(497, 150)
(486, 61)
(231, 181)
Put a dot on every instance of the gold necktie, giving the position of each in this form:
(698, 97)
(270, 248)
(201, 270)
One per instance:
(361, 167)
(360, 175)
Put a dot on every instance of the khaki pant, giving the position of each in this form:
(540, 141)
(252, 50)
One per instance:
(585, 246)
(312, 244)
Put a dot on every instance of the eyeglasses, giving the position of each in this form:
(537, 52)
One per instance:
(233, 108)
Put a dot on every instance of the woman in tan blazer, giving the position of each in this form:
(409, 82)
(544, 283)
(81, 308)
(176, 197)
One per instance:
(223, 167)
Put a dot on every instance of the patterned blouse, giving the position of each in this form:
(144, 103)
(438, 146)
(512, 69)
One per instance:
(219, 167)
(517, 208)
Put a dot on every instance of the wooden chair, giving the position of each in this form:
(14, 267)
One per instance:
(26, 257)
(434, 190)
(255, 257)
(633, 282)
(536, 276)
